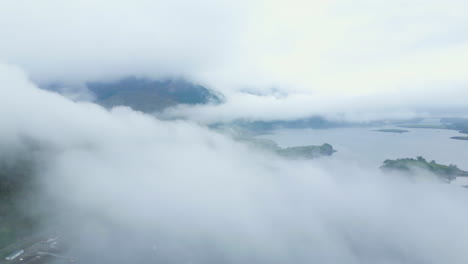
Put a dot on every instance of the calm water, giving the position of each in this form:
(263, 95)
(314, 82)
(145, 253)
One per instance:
(372, 148)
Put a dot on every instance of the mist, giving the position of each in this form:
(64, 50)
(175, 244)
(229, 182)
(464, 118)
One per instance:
(123, 186)
(126, 187)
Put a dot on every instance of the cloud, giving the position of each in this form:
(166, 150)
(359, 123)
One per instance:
(366, 46)
(433, 101)
(85, 40)
(319, 51)
(131, 187)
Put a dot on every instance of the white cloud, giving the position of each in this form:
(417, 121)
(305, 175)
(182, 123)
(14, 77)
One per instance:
(81, 40)
(131, 186)
(309, 49)
(438, 101)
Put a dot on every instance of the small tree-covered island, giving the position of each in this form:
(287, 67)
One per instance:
(306, 152)
(297, 152)
(446, 173)
(392, 130)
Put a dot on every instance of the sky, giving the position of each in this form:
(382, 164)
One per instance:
(333, 56)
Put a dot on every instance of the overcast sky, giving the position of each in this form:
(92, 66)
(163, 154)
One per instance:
(402, 56)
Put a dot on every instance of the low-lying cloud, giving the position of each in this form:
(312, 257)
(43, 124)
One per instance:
(132, 188)
(382, 105)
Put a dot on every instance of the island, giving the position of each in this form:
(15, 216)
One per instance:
(306, 152)
(441, 126)
(296, 152)
(446, 173)
(391, 130)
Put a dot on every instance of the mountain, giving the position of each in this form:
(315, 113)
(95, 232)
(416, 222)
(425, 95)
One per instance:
(151, 95)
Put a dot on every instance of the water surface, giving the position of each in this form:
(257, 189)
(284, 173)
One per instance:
(372, 148)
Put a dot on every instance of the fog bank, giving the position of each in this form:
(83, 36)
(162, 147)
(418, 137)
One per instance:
(131, 188)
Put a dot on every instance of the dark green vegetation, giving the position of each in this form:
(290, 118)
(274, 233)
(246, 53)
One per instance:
(390, 130)
(151, 96)
(460, 138)
(306, 152)
(444, 172)
(248, 135)
(298, 152)
(15, 184)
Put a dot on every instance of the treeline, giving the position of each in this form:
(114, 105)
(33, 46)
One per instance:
(445, 172)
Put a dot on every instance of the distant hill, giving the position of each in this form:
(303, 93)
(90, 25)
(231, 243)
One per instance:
(151, 95)
(460, 124)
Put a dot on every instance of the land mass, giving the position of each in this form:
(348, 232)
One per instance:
(441, 126)
(460, 138)
(296, 152)
(459, 124)
(306, 152)
(446, 173)
(147, 95)
(152, 95)
(391, 130)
